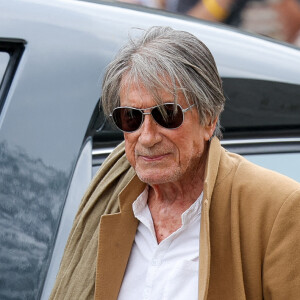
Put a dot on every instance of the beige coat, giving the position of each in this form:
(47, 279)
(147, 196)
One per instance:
(250, 232)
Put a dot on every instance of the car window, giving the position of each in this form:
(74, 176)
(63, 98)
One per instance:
(4, 59)
(10, 54)
(260, 107)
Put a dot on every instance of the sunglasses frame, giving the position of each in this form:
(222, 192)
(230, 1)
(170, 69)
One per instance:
(142, 110)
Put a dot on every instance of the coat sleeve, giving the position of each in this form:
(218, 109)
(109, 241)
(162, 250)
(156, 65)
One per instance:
(281, 269)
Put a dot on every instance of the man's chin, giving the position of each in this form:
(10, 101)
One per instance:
(156, 178)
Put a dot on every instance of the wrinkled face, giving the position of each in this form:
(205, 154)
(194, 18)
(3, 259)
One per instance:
(160, 155)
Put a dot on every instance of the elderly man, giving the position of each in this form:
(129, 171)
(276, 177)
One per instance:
(172, 215)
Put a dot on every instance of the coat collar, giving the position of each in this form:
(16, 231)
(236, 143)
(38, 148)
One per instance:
(210, 177)
(117, 233)
(212, 168)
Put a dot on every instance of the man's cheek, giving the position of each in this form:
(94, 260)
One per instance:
(130, 153)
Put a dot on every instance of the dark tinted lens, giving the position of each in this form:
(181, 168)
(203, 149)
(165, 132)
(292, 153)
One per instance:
(171, 118)
(127, 119)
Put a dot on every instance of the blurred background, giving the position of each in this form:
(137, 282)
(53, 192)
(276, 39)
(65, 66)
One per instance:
(278, 19)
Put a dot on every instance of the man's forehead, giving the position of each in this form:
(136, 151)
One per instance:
(137, 94)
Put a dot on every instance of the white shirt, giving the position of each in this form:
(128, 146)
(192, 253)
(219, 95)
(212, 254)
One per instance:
(165, 271)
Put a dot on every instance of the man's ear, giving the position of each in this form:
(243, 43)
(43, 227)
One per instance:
(210, 128)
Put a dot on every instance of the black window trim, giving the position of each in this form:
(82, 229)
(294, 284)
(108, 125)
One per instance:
(15, 49)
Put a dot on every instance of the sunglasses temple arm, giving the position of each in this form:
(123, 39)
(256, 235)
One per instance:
(188, 108)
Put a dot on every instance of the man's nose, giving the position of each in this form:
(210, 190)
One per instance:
(149, 132)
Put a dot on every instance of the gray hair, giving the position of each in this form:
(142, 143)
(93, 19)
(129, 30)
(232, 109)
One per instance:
(172, 60)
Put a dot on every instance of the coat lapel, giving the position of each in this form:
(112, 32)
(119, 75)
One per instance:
(116, 236)
(210, 177)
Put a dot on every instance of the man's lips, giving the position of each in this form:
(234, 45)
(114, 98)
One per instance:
(150, 158)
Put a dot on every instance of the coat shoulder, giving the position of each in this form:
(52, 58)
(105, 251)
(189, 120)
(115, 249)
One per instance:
(249, 180)
(255, 175)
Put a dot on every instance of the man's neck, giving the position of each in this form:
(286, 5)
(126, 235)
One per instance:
(168, 202)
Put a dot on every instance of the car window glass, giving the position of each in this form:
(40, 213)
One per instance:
(284, 163)
(10, 56)
(4, 58)
(254, 107)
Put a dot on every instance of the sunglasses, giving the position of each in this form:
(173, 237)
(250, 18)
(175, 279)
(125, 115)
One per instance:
(167, 115)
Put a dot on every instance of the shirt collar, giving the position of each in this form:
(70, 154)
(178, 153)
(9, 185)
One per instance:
(142, 213)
